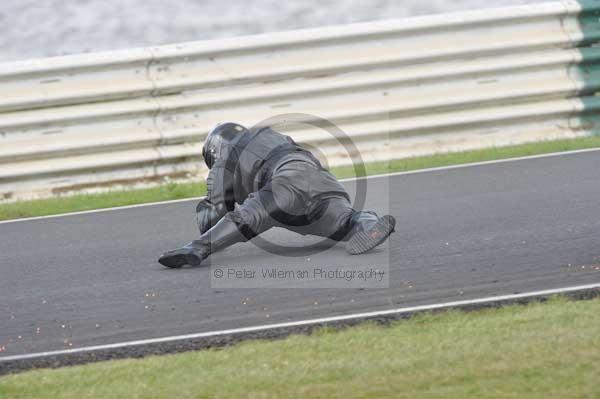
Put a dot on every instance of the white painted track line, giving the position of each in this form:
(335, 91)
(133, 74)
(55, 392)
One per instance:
(410, 172)
(325, 320)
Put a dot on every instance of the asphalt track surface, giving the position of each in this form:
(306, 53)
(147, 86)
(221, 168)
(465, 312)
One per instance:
(462, 233)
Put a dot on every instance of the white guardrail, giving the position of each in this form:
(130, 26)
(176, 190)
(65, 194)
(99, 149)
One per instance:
(397, 88)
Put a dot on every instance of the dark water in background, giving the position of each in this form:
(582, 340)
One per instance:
(39, 28)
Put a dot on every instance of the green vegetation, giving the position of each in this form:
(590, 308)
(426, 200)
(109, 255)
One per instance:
(111, 199)
(549, 350)
(487, 154)
(85, 202)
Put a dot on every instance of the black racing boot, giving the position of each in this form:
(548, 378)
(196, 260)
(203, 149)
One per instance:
(191, 254)
(369, 231)
(221, 235)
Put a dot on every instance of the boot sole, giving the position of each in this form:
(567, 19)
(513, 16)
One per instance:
(179, 260)
(364, 241)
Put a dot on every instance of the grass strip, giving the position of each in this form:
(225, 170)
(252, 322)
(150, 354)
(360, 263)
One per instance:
(173, 191)
(549, 350)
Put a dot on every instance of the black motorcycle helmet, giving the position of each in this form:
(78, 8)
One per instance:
(217, 141)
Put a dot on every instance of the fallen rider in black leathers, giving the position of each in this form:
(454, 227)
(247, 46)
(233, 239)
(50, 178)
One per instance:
(275, 182)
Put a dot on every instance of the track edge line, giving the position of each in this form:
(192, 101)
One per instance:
(376, 176)
(352, 318)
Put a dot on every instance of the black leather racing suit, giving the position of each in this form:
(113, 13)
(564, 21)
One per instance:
(275, 182)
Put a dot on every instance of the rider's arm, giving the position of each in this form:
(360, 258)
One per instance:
(220, 188)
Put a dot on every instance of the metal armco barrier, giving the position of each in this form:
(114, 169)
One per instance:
(396, 88)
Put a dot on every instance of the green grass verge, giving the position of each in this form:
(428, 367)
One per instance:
(111, 199)
(549, 350)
